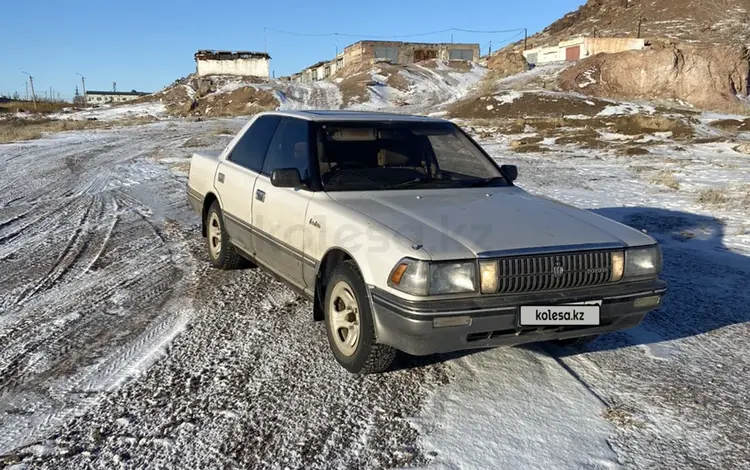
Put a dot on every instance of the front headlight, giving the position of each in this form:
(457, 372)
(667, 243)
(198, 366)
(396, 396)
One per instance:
(425, 278)
(642, 262)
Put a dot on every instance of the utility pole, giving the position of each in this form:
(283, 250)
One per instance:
(27, 90)
(490, 51)
(83, 83)
(640, 21)
(33, 95)
(525, 37)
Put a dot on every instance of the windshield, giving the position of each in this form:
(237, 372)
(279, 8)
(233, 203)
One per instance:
(370, 156)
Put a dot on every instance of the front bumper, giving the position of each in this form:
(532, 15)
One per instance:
(408, 326)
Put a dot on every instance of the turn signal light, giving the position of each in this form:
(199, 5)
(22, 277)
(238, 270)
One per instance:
(650, 301)
(488, 276)
(451, 321)
(618, 265)
(398, 273)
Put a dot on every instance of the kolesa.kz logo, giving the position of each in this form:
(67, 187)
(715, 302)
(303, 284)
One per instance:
(549, 315)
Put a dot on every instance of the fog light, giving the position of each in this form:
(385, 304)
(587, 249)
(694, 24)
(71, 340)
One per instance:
(618, 265)
(650, 301)
(488, 276)
(450, 321)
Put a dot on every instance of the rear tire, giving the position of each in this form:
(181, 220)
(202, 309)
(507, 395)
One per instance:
(349, 323)
(221, 252)
(577, 342)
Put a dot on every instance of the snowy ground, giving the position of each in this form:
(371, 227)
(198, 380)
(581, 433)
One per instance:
(123, 349)
(115, 113)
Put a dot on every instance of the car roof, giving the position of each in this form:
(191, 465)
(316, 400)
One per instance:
(338, 115)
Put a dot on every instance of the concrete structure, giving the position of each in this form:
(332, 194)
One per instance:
(581, 47)
(398, 52)
(391, 51)
(237, 63)
(107, 97)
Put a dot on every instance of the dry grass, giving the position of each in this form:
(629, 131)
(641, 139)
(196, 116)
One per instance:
(525, 141)
(641, 168)
(634, 151)
(487, 87)
(354, 88)
(224, 131)
(732, 125)
(713, 197)
(531, 148)
(28, 106)
(667, 179)
(16, 130)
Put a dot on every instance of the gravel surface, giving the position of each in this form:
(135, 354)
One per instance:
(122, 348)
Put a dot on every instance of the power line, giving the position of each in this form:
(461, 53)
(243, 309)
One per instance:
(475, 31)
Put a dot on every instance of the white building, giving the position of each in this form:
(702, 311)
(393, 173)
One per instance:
(238, 63)
(109, 97)
(580, 47)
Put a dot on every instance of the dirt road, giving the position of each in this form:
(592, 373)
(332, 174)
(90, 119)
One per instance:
(122, 348)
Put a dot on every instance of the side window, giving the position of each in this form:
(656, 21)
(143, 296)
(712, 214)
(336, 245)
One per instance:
(290, 148)
(251, 148)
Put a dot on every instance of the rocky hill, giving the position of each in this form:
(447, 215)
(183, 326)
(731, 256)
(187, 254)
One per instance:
(416, 88)
(684, 20)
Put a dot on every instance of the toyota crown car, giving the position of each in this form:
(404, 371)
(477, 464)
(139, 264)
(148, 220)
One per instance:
(406, 235)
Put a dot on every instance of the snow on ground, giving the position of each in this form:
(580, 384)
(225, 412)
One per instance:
(430, 90)
(627, 108)
(313, 95)
(515, 408)
(115, 113)
(105, 274)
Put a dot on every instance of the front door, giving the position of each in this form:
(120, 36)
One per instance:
(573, 53)
(235, 179)
(279, 213)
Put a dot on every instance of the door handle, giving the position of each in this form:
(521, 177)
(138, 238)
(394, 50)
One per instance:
(260, 195)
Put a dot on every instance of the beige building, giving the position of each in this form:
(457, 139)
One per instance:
(237, 63)
(398, 52)
(580, 47)
(108, 97)
(391, 51)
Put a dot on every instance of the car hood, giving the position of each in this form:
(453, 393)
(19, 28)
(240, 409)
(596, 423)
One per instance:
(466, 222)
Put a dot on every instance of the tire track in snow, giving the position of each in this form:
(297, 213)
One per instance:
(76, 244)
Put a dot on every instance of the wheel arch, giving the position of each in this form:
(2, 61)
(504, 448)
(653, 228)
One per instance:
(327, 264)
(207, 201)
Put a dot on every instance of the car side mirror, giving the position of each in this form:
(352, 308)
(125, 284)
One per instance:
(511, 171)
(286, 178)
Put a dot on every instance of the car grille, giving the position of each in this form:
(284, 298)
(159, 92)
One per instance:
(552, 272)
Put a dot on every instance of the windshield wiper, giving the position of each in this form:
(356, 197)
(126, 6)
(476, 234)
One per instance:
(486, 181)
(405, 184)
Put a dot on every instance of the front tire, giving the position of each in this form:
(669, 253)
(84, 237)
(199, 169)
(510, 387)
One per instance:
(221, 252)
(349, 323)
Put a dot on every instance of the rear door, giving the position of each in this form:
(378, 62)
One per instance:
(235, 178)
(279, 213)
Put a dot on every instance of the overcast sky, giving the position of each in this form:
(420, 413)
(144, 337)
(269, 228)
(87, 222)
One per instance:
(146, 45)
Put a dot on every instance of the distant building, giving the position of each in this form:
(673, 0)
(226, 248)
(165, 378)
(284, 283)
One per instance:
(580, 47)
(105, 97)
(398, 52)
(395, 52)
(237, 63)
